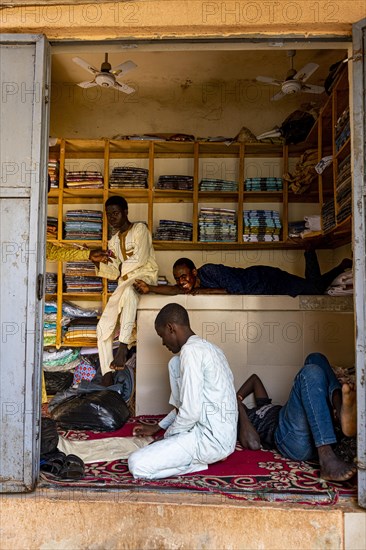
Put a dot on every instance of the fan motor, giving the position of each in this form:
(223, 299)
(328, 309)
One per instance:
(105, 80)
(291, 87)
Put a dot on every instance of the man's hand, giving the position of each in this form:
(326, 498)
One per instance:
(142, 430)
(98, 255)
(141, 286)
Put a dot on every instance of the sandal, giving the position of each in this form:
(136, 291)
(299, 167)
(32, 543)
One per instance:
(54, 465)
(73, 468)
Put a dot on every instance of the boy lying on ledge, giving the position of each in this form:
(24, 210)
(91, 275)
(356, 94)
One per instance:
(304, 427)
(261, 279)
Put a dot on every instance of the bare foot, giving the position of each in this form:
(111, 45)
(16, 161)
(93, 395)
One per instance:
(248, 435)
(119, 360)
(348, 411)
(333, 468)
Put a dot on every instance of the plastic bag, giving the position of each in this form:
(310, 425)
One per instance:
(57, 381)
(103, 411)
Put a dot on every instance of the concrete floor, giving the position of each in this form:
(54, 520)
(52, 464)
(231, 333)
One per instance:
(50, 519)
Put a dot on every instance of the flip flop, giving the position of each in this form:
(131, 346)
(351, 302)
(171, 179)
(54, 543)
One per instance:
(54, 465)
(73, 468)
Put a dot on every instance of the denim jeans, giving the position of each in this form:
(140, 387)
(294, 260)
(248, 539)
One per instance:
(306, 421)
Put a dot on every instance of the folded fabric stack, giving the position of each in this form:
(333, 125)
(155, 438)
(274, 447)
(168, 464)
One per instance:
(112, 285)
(207, 184)
(83, 225)
(313, 226)
(171, 230)
(80, 269)
(82, 331)
(53, 172)
(51, 283)
(128, 176)
(296, 228)
(75, 284)
(344, 190)
(84, 179)
(61, 361)
(217, 225)
(162, 280)
(328, 215)
(342, 285)
(49, 324)
(342, 129)
(181, 183)
(261, 226)
(52, 226)
(263, 184)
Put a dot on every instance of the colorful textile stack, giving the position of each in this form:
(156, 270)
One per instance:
(61, 360)
(84, 179)
(82, 331)
(181, 183)
(49, 324)
(52, 226)
(207, 184)
(53, 172)
(344, 190)
(217, 225)
(328, 215)
(128, 176)
(112, 285)
(83, 225)
(171, 230)
(80, 277)
(263, 184)
(51, 283)
(261, 226)
(342, 129)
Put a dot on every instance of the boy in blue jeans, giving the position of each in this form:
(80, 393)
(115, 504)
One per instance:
(304, 427)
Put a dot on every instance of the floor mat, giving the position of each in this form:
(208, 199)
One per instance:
(244, 475)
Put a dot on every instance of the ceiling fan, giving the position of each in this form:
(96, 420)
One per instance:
(106, 77)
(294, 82)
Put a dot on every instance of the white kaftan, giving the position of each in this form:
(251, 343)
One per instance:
(135, 259)
(202, 428)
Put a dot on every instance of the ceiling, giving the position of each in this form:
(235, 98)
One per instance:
(159, 72)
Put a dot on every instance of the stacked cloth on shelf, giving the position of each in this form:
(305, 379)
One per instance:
(84, 179)
(176, 181)
(217, 224)
(304, 173)
(52, 226)
(83, 225)
(342, 129)
(342, 285)
(344, 190)
(172, 230)
(128, 176)
(261, 226)
(80, 277)
(263, 184)
(49, 323)
(51, 283)
(207, 184)
(53, 172)
(328, 215)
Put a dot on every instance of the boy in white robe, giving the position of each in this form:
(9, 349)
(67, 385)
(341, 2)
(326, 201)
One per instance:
(131, 256)
(202, 428)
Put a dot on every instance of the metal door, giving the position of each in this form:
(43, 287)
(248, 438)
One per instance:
(24, 61)
(359, 239)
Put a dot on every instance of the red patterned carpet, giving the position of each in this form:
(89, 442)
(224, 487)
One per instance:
(244, 475)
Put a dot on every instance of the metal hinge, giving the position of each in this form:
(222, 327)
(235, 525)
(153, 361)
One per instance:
(40, 280)
(357, 56)
(46, 93)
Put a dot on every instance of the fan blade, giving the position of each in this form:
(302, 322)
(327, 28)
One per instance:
(268, 80)
(87, 84)
(278, 96)
(123, 68)
(303, 74)
(85, 65)
(312, 89)
(122, 87)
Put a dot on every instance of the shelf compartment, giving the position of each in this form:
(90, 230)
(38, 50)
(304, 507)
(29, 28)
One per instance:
(172, 195)
(263, 196)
